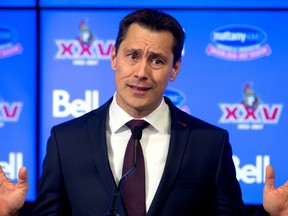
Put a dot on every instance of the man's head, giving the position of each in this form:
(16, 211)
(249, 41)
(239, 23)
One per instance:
(155, 21)
(147, 55)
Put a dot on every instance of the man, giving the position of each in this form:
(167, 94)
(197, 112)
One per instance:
(188, 163)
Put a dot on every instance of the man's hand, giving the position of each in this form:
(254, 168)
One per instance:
(12, 196)
(275, 200)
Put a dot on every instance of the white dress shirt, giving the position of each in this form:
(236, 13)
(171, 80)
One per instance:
(154, 142)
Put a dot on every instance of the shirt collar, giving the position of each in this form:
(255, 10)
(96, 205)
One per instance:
(118, 117)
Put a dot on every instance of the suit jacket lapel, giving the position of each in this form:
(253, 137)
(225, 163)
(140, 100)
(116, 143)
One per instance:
(98, 145)
(178, 142)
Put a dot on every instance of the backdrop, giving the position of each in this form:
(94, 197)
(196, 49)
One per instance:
(55, 66)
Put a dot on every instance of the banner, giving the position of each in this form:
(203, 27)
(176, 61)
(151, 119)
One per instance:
(233, 74)
(17, 3)
(166, 4)
(18, 95)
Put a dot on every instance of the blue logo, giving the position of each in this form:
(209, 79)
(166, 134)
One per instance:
(238, 43)
(238, 36)
(7, 36)
(9, 45)
(176, 96)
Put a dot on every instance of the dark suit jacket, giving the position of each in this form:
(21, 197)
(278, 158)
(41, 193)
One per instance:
(198, 179)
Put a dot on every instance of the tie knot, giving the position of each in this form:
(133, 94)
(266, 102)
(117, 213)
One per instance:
(137, 123)
(136, 126)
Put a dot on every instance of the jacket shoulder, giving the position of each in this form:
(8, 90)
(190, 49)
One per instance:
(191, 121)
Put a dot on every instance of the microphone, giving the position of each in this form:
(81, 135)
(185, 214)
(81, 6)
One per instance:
(137, 135)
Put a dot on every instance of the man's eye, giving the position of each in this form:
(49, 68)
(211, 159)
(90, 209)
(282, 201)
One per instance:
(133, 56)
(157, 61)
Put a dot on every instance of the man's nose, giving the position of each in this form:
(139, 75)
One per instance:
(143, 70)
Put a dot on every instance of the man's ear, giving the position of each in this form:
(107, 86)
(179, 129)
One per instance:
(175, 70)
(113, 58)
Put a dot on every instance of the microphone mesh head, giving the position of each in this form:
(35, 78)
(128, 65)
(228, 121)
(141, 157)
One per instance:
(137, 132)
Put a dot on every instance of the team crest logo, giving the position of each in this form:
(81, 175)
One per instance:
(86, 36)
(85, 50)
(251, 100)
(250, 114)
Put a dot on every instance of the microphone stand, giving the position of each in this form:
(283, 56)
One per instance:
(137, 135)
(115, 201)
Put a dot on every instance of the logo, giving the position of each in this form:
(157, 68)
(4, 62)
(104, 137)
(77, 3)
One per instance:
(9, 45)
(250, 114)
(252, 173)
(85, 49)
(63, 106)
(238, 43)
(9, 112)
(12, 167)
(178, 98)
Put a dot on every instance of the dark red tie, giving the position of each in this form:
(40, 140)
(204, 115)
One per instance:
(133, 188)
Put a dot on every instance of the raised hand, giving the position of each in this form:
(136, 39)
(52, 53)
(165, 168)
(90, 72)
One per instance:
(12, 196)
(275, 200)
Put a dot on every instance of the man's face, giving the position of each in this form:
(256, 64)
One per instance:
(143, 67)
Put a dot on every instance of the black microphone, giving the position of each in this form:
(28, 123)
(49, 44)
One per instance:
(137, 135)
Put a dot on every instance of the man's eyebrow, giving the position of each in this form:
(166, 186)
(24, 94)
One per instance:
(158, 54)
(133, 50)
(150, 53)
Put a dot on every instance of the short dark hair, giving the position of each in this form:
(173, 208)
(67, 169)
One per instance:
(156, 21)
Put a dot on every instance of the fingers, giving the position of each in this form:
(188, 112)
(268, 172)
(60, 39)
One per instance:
(269, 178)
(1, 171)
(3, 177)
(23, 177)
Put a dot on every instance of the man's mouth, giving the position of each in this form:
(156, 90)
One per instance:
(137, 88)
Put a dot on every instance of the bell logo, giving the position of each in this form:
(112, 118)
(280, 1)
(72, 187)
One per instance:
(12, 167)
(252, 173)
(63, 106)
